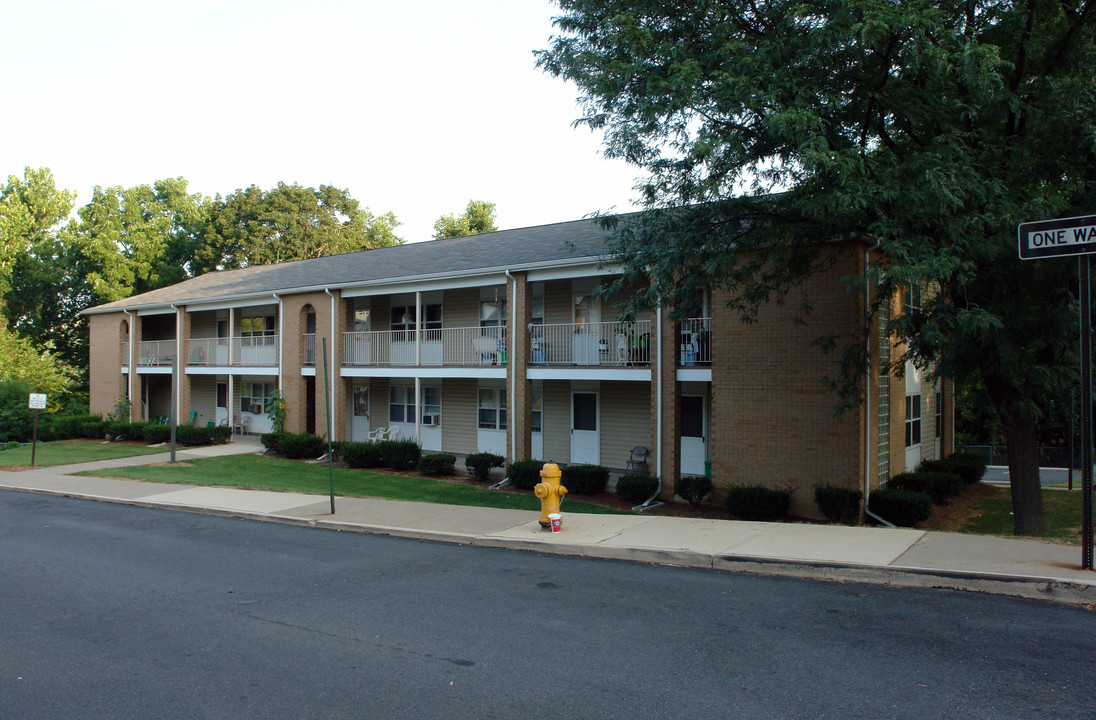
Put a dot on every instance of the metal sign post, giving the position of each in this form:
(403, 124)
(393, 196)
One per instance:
(1058, 238)
(327, 397)
(37, 402)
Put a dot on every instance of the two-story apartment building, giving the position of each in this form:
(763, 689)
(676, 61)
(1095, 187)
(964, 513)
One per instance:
(498, 342)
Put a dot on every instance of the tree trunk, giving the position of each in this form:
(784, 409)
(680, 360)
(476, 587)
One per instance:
(1023, 467)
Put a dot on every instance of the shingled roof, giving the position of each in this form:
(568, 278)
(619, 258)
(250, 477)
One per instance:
(506, 249)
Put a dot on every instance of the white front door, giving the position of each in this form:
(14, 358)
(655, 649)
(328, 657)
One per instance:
(585, 439)
(359, 425)
(693, 446)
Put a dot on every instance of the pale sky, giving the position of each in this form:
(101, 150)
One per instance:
(414, 106)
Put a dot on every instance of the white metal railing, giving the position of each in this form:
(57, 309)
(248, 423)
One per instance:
(151, 353)
(310, 349)
(695, 347)
(612, 344)
(435, 348)
(252, 351)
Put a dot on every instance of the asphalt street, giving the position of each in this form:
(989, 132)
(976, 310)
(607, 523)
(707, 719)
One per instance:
(110, 611)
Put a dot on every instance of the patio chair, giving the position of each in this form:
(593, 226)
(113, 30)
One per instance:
(637, 461)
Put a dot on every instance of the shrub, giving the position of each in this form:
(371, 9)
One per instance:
(838, 504)
(938, 485)
(969, 466)
(126, 430)
(904, 508)
(190, 436)
(362, 455)
(584, 479)
(636, 487)
(63, 427)
(92, 429)
(221, 434)
(155, 434)
(270, 441)
(16, 419)
(296, 446)
(693, 489)
(524, 474)
(437, 464)
(11, 445)
(399, 454)
(755, 502)
(479, 465)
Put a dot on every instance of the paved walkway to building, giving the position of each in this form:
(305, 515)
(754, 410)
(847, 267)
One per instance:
(902, 557)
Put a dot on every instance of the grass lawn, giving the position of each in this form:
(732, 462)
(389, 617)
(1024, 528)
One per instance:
(66, 452)
(1063, 514)
(271, 473)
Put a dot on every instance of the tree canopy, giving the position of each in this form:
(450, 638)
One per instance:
(478, 217)
(927, 129)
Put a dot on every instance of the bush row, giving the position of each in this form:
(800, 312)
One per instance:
(66, 427)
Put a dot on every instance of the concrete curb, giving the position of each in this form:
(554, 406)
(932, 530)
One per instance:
(1025, 586)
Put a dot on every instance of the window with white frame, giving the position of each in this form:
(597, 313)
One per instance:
(537, 312)
(537, 409)
(913, 298)
(492, 408)
(492, 313)
(257, 326)
(939, 414)
(403, 317)
(913, 420)
(253, 396)
(401, 404)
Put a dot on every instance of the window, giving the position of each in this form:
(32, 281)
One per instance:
(913, 420)
(401, 404)
(257, 326)
(492, 313)
(538, 310)
(253, 397)
(913, 299)
(492, 409)
(403, 317)
(537, 409)
(939, 414)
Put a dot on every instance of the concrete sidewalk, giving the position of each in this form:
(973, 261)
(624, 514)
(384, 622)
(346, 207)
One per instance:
(903, 557)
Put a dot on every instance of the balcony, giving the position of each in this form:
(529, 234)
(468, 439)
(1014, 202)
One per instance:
(437, 348)
(695, 347)
(610, 344)
(155, 353)
(310, 350)
(253, 351)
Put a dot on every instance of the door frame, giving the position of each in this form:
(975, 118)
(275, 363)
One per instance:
(597, 423)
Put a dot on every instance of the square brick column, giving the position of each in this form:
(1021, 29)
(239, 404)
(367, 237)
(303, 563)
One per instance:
(665, 465)
(519, 390)
(182, 333)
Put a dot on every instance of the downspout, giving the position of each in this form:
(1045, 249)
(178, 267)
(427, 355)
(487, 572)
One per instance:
(867, 398)
(418, 366)
(512, 367)
(332, 365)
(131, 371)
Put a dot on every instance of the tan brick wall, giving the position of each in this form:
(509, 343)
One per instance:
(518, 387)
(105, 361)
(772, 418)
(667, 466)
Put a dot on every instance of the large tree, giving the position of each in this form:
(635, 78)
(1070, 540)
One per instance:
(767, 128)
(289, 222)
(478, 217)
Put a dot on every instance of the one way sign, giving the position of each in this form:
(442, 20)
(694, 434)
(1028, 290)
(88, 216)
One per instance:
(1053, 238)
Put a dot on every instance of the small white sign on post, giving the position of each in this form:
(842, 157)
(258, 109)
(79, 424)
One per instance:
(37, 401)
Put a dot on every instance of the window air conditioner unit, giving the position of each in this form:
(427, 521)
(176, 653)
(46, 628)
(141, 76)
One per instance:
(430, 419)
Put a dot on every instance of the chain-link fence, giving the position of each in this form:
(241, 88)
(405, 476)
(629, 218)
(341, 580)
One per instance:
(1049, 457)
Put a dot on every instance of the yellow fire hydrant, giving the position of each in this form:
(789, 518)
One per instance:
(550, 492)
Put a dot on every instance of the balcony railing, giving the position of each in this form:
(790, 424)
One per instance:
(155, 353)
(611, 344)
(310, 350)
(439, 347)
(696, 342)
(253, 351)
